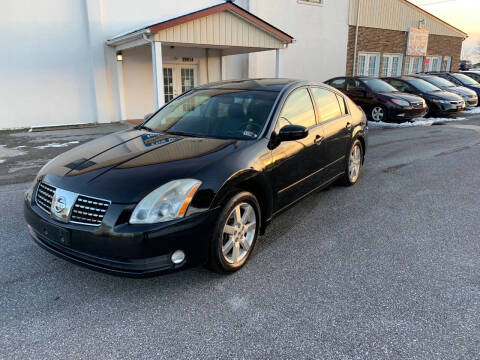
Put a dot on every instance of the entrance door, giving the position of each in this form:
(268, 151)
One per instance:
(368, 64)
(177, 79)
(392, 65)
(433, 63)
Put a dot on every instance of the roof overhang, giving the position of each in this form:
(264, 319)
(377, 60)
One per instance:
(165, 30)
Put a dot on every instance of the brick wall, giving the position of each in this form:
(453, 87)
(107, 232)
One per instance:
(395, 42)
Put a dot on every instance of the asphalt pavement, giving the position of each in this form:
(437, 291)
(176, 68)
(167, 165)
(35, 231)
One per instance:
(387, 269)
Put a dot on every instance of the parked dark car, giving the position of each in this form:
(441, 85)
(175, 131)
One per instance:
(469, 96)
(438, 101)
(461, 79)
(379, 100)
(474, 74)
(199, 180)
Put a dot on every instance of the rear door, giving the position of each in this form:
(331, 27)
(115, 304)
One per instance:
(295, 167)
(357, 91)
(336, 125)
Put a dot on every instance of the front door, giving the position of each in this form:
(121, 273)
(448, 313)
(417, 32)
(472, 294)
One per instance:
(295, 168)
(177, 79)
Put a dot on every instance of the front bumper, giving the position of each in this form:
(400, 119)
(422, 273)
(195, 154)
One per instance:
(123, 249)
(398, 114)
(439, 108)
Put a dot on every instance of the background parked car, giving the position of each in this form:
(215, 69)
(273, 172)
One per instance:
(438, 101)
(379, 100)
(465, 64)
(474, 74)
(461, 80)
(469, 96)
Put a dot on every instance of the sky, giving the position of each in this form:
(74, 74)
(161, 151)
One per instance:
(463, 14)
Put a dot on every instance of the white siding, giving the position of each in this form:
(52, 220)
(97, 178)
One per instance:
(378, 14)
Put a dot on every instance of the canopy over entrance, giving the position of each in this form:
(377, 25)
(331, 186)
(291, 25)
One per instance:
(221, 29)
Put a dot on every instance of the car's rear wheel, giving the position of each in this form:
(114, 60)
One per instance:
(378, 113)
(354, 163)
(236, 233)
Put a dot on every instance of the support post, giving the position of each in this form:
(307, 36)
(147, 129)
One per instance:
(157, 65)
(121, 89)
(277, 63)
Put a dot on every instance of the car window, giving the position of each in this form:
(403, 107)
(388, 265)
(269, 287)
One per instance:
(464, 79)
(327, 104)
(354, 84)
(337, 83)
(298, 110)
(343, 106)
(216, 113)
(399, 85)
(377, 85)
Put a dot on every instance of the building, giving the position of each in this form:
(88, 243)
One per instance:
(395, 37)
(87, 61)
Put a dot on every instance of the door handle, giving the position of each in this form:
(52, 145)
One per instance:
(348, 126)
(318, 140)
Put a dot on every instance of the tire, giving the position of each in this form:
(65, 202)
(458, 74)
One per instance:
(378, 113)
(233, 240)
(353, 158)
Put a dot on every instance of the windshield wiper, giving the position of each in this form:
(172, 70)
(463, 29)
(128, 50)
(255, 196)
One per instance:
(181, 133)
(145, 128)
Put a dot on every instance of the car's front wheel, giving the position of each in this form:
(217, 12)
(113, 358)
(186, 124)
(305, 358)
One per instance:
(354, 163)
(236, 233)
(379, 113)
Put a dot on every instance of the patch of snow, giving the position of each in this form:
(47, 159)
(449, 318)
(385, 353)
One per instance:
(475, 110)
(7, 152)
(2, 161)
(56, 145)
(415, 122)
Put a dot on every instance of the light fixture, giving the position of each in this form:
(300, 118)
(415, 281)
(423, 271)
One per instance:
(119, 56)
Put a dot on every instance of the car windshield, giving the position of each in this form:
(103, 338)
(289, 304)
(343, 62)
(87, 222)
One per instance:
(423, 86)
(215, 113)
(377, 85)
(465, 80)
(440, 82)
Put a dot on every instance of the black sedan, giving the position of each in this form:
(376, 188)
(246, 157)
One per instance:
(199, 180)
(469, 96)
(461, 79)
(379, 100)
(438, 101)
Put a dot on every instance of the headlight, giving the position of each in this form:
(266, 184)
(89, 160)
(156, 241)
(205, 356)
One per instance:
(168, 202)
(29, 192)
(400, 102)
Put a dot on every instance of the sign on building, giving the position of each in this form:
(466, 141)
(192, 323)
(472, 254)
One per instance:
(417, 42)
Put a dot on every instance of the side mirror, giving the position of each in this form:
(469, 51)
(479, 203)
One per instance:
(148, 116)
(292, 132)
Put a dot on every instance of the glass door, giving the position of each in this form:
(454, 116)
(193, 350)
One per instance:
(391, 65)
(177, 79)
(368, 64)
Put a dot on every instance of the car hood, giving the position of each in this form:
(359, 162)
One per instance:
(460, 90)
(402, 96)
(444, 95)
(125, 166)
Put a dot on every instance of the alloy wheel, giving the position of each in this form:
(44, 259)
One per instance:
(239, 233)
(354, 163)
(378, 113)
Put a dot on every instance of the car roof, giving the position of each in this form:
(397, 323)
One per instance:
(263, 84)
(403, 77)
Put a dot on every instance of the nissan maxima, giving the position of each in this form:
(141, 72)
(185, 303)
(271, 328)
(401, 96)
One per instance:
(199, 180)
(380, 100)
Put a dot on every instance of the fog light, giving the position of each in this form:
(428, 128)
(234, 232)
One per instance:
(178, 256)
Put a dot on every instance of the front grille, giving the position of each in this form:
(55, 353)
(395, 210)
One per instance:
(89, 210)
(44, 196)
(417, 105)
(456, 102)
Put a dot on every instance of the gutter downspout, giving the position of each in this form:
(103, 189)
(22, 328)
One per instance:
(359, 2)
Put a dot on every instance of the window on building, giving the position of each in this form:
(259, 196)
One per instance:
(447, 62)
(433, 63)
(298, 110)
(327, 104)
(368, 64)
(391, 65)
(413, 65)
